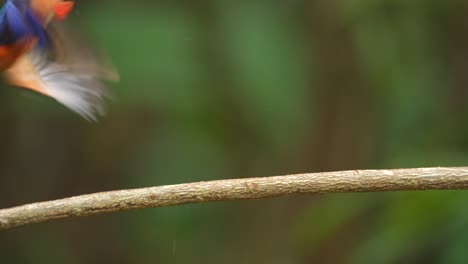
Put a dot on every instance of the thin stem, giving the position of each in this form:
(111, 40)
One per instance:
(441, 178)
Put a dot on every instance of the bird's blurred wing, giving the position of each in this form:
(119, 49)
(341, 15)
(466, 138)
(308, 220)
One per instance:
(80, 91)
(72, 49)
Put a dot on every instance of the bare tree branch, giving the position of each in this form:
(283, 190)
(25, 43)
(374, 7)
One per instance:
(237, 189)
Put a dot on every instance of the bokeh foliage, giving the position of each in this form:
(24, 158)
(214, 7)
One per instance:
(229, 89)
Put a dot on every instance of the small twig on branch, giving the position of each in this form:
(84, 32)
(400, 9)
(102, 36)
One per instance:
(237, 189)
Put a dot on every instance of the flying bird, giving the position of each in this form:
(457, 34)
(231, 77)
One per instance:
(38, 53)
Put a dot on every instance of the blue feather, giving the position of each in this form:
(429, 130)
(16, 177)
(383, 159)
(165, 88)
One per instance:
(17, 22)
(37, 30)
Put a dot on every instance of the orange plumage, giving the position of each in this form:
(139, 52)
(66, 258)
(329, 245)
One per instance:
(10, 53)
(47, 9)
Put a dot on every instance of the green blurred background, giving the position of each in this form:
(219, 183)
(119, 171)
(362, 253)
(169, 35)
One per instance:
(230, 89)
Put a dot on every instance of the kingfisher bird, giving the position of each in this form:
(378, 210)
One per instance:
(38, 53)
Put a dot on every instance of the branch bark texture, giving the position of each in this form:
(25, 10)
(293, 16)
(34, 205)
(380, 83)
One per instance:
(441, 178)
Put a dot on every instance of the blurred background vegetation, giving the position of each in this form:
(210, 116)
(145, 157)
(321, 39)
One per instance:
(230, 89)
